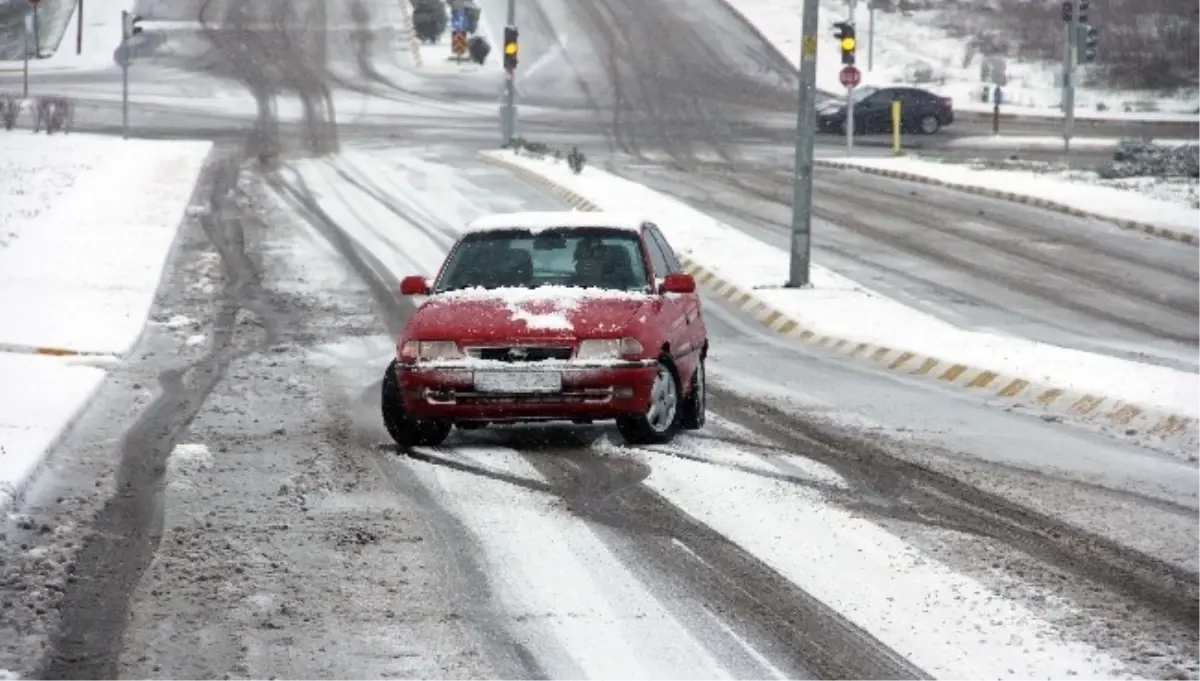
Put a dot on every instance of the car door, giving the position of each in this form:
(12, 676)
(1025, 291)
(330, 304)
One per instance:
(691, 332)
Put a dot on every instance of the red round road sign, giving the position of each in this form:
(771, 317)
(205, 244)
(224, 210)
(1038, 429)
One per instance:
(850, 76)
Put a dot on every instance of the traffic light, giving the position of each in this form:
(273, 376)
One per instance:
(1084, 6)
(845, 36)
(1090, 38)
(129, 24)
(1068, 10)
(510, 48)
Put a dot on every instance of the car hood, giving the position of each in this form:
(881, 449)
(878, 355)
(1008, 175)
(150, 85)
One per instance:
(545, 313)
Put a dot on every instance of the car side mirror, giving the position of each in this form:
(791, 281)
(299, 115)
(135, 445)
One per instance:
(414, 286)
(679, 283)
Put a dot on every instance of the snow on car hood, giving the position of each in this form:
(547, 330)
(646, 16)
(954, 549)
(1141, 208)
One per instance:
(547, 311)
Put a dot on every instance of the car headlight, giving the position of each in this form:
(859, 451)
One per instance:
(609, 348)
(428, 351)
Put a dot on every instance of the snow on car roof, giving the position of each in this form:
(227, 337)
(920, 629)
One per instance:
(536, 221)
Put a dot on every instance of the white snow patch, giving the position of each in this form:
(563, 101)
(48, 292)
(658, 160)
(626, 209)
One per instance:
(188, 459)
(196, 339)
(1109, 201)
(82, 269)
(839, 307)
(570, 600)
(538, 221)
(947, 624)
(906, 44)
(39, 396)
(178, 321)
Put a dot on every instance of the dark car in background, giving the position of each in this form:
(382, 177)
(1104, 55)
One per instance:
(921, 111)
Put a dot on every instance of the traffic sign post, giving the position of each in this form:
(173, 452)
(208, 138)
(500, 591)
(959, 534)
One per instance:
(25, 74)
(508, 112)
(458, 45)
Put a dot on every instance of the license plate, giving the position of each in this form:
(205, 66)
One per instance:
(518, 382)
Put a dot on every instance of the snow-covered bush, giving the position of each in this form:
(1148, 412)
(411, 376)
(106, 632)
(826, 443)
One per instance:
(1139, 158)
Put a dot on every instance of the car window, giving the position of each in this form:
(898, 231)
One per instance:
(569, 256)
(673, 264)
(657, 259)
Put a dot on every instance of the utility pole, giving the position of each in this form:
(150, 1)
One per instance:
(508, 116)
(79, 27)
(25, 74)
(1071, 11)
(37, 40)
(129, 28)
(806, 119)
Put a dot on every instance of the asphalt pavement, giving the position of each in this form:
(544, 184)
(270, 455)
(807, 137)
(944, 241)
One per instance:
(233, 508)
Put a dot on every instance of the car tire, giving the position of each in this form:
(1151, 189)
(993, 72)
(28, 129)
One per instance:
(930, 125)
(695, 406)
(662, 420)
(405, 430)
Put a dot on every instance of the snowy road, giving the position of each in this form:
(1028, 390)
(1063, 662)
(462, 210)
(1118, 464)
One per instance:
(231, 507)
(979, 263)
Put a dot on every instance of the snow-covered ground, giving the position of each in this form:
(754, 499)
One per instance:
(1175, 201)
(1170, 203)
(841, 308)
(86, 225)
(101, 38)
(903, 43)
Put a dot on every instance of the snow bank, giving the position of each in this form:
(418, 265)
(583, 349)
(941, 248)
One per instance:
(86, 224)
(1118, 204)
(82, 258)
(838, 307)
(39, 397)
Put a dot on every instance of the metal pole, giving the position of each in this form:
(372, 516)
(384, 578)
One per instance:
(806, 122)
(509, 112)
(79, 27)
(1071, 58)
(850, 120)
(25, 85)
(870, 36)
(37, 40)
(124, 75)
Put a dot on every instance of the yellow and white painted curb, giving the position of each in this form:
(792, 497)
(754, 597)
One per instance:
(1153, 230)
(1101, 410)
(50, 351)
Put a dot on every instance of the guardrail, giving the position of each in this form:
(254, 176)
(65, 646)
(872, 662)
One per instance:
(50, 113)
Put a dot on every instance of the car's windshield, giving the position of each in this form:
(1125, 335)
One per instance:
(569, 256)
(861, 93)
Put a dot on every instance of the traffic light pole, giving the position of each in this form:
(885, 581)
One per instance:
(1070, 59)
(508, 116)
(806, 122)
(125, 75)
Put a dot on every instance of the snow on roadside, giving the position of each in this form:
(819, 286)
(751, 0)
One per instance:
(949, 625)
(842, 308)
(39, 397)
(83, 272)
(903, 42)
(1108, 198)
(80, 271)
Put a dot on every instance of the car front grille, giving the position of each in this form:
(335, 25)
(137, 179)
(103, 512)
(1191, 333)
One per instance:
(522, 353)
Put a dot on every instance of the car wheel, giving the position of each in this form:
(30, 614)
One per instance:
(695, 407)
(661, 421)
(930, 125)
(405, 430)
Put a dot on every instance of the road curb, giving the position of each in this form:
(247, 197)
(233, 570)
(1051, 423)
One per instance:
(50, 351)
(1147, 228)
(1100, 410)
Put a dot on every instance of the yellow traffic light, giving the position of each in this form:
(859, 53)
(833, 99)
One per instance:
(848, 44)
(510, 48)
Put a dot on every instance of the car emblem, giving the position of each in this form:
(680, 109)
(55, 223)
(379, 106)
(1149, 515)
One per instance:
(517, 353)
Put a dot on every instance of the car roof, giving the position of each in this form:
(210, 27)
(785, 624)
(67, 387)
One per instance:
(539, 220)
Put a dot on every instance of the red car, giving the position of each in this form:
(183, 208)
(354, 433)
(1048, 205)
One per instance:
(551, 316)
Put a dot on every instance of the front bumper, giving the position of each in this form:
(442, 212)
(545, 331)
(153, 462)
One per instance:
(593, 392)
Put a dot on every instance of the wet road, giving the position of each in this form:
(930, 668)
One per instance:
(235, 507)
